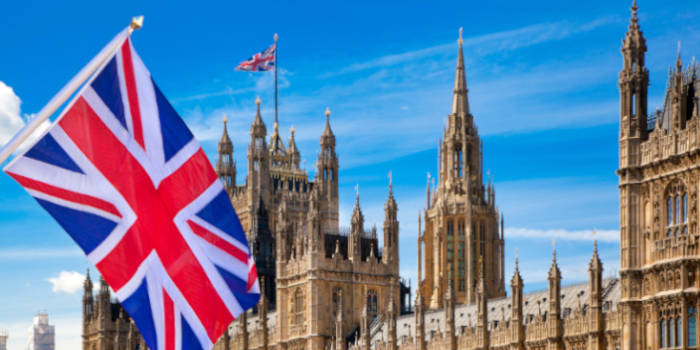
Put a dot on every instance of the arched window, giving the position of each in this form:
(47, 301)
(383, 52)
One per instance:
(662, 333)
(669, 212)
(372, 304)
(676, 208)
(679, 335)
(458, 161)
(298, 307)
(692, 331)
(671, 332)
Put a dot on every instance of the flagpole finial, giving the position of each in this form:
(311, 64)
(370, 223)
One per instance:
(275, 37)
(136, 23)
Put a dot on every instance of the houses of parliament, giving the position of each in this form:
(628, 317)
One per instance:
(330, 287)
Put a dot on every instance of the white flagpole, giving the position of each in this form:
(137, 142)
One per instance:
(275, 37)
(65, 93)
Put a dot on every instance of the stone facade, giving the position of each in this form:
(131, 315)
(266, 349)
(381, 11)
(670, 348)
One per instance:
(333, 288)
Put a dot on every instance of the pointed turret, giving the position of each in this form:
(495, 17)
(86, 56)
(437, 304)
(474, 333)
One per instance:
(258, 181)
(517, 327)
(225, 167)
(87, 286)
(88, 301)
(356, 230)
(278, 153)
(554, 311)
(327, 178)
(595, 271)
(633, 82)
(293, 151)
(327, 137)
(391, 230)
(460, 102)
(258, 128)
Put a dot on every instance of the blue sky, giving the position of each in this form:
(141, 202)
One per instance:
(542, 79)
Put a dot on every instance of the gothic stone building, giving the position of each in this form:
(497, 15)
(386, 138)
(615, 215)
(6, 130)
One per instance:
(333, 289)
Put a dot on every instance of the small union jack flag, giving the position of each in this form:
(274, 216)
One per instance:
(123, 175)
(261, 61)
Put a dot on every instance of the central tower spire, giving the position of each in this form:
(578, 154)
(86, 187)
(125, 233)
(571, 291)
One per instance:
(460, 103)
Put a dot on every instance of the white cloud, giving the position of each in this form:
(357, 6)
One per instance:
(67, 282)
(611, 236)
(10, 120)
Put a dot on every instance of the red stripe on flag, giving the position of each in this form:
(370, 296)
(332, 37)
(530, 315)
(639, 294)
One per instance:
(218, 242)
(66, 195)
(252, 277)
(169, 311)
(130, 81)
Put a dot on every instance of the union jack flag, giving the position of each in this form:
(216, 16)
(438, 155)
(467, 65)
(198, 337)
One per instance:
(122, 174)
(261, 61)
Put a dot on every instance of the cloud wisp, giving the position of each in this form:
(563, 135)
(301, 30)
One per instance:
(39, 253)
(608, 236)
(69, 282)
(485, 44)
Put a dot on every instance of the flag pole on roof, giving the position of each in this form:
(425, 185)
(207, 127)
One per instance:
(275, 37)
(65, 93)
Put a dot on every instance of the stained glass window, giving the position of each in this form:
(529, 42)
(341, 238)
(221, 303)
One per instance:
(692, 331)
(662, 331)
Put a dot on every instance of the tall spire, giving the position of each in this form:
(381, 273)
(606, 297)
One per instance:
(634, 37)
(679, 62)
(327, 137)
(460, 104)
(225, 167)
(258, 128)
(293, 151)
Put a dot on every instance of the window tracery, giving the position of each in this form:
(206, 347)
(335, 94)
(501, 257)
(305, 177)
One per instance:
(676, 209)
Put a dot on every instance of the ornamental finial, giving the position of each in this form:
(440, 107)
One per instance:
(257, 101)
(460, 40)
(275, 37)
(136, 23)
(224, 119)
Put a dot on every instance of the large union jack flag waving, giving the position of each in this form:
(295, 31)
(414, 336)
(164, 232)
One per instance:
(122, 174)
